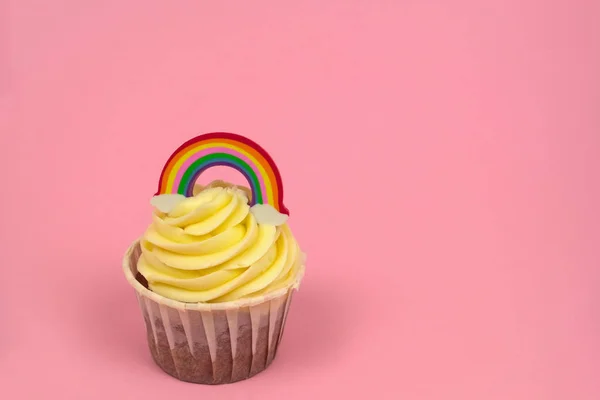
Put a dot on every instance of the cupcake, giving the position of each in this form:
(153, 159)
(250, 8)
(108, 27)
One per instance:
(216, 270)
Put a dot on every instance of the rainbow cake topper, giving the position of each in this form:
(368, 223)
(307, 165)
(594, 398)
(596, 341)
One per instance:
(223, 149)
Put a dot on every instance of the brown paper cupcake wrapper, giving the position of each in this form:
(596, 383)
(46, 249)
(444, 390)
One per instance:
(211, 343)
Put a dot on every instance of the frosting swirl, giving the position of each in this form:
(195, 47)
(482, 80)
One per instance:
(210, 248)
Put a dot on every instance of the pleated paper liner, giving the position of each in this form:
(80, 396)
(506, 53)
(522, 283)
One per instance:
(211, 343)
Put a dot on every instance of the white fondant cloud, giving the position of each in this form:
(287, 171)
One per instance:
(268, 215)
(166, 202)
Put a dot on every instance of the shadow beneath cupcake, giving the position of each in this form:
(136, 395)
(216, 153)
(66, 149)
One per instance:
(317, 327)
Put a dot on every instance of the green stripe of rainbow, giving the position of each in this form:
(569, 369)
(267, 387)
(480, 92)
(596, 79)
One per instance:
(226, 149)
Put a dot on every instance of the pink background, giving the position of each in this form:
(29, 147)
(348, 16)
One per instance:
(441, 162)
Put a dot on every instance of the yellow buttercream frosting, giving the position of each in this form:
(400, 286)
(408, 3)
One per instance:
(210, 248)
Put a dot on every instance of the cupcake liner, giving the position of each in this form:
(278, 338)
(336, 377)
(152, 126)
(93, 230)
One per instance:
(211, 343)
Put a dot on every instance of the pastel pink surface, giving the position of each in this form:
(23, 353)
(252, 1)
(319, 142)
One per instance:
(440, 162)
